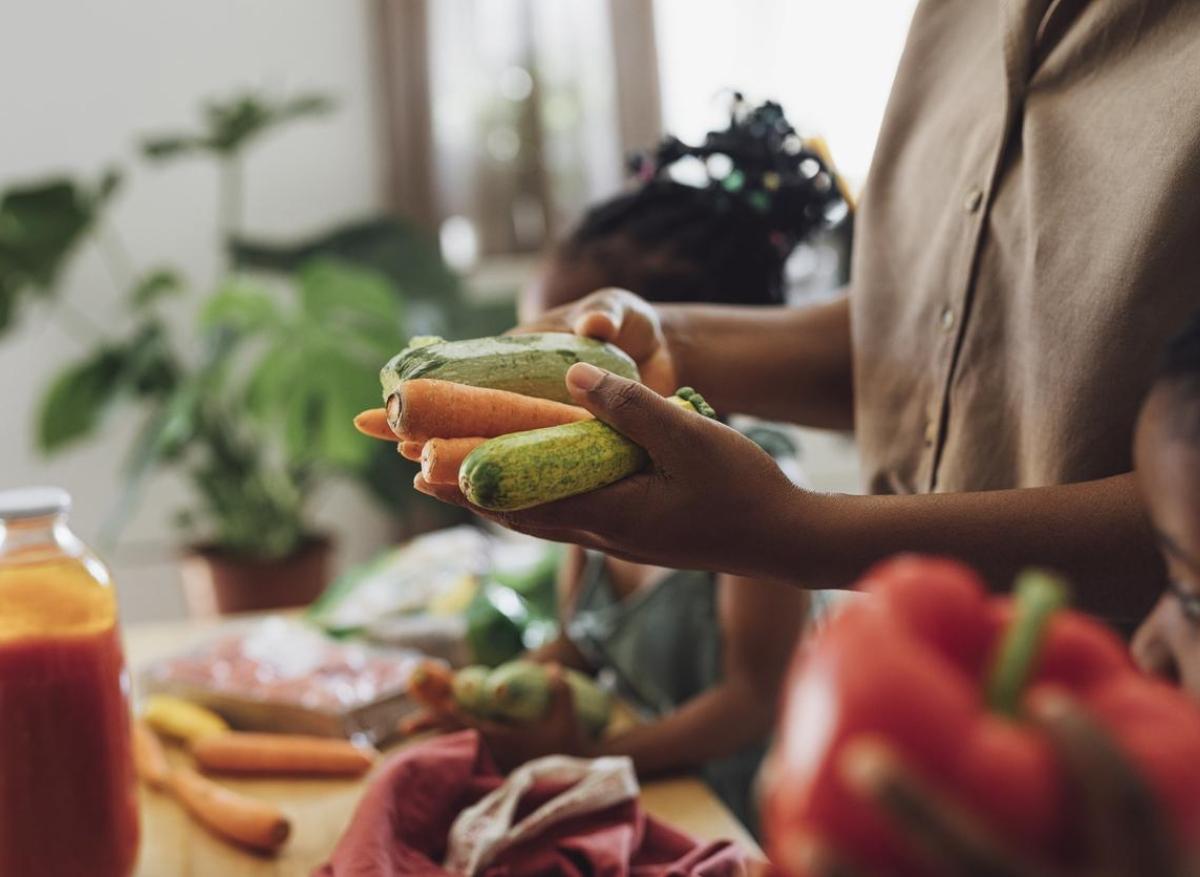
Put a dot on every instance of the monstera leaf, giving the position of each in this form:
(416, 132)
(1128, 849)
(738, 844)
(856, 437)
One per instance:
(227, 126)
(40, 226)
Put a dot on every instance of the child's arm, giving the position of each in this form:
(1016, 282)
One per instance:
(561, 650)
(760, 624)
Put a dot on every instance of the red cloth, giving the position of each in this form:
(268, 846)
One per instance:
(402, 822)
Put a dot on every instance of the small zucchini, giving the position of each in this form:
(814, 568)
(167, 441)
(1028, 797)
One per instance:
(525, 469)
(532, 365)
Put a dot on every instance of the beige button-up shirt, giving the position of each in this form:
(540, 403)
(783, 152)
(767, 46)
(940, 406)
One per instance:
(1028, 239)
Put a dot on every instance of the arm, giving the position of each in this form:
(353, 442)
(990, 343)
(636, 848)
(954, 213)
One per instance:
(561, 650)
(719, 502)
(788, 364)
(1096, 532)
(760, 623)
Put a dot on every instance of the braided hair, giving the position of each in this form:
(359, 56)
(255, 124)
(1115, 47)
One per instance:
(762, 191)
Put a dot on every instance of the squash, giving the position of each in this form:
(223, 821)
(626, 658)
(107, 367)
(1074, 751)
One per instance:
(525, 469)
(533, 365)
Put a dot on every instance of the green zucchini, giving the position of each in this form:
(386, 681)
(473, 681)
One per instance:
(519, 691)
(469, 688)
(533, 365)
(525, 469)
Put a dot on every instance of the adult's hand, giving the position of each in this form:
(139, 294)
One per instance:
(710, 498)
(621, 318)
(1124, 833)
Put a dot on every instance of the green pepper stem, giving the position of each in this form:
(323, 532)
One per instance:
(1038, 595)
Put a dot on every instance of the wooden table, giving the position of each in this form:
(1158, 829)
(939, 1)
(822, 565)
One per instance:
(174, 846)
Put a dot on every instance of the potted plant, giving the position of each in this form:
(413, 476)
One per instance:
(252, 406)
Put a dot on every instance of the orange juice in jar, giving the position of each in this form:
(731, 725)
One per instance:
(68, 802)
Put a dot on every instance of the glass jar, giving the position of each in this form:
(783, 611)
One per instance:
(68, 799)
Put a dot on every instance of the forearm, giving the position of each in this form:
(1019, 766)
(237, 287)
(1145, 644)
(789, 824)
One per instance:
(1094, 532)
(789, 364)
(713, 725)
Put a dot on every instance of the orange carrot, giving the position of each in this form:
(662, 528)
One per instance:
(374, 422)
(149, 759)
(431, 685)
(441, 458)
(240, 752)
(411, 451)
(254, 823)
(423, 408)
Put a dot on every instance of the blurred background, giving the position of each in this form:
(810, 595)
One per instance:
(218, 220)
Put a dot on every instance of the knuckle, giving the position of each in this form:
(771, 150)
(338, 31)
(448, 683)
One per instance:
(624, 396)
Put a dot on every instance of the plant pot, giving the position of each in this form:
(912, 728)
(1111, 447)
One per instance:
(218, 583)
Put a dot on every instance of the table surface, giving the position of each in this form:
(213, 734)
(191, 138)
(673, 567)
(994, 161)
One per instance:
(175, 846)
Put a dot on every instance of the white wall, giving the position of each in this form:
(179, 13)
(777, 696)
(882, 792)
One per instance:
(77, 82)
(829, 62)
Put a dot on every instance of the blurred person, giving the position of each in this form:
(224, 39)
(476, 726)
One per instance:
(1024, 243)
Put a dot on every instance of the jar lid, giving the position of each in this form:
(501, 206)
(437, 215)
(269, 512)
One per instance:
(33, 502)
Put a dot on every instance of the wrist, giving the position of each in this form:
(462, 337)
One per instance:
(674, 323)
(803, 539)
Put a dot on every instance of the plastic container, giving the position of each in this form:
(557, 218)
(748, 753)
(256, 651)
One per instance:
(283, 675)
(68, 800)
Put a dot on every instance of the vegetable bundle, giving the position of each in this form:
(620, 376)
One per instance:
(492, 416)
(940, 671)
(517, 692)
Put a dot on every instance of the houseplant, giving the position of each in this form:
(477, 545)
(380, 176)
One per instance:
(252, 405)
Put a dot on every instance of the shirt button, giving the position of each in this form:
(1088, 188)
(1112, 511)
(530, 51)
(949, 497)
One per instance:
(931, 432)
(946, 318)
(973, 200)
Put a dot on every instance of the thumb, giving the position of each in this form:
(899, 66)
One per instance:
(630, 408)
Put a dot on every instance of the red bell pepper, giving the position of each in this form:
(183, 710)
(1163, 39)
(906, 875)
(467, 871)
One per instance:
(939, 669)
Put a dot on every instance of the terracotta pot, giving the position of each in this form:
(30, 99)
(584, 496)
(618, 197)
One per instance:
(216, 583)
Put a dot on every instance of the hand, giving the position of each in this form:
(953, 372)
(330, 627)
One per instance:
(511, 745)
(624, 319)
(710, 499)
(1124, 833)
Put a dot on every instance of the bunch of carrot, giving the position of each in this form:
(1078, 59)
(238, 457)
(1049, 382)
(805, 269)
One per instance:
(248, 821)
(438, 423)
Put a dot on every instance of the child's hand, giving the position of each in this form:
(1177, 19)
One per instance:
(557, 733)
(621, 318)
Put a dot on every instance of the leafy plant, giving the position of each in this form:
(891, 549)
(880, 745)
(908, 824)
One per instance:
(255, 408)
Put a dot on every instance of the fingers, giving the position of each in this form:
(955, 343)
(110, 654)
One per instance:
(940, 830)
(1125, 830)
(584, 519)
(602, 320)
(562, 702)
(630, 408)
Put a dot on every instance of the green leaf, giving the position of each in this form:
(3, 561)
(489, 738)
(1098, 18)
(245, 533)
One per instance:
(169, 146)
(241, 306)
(40, 226)
(158, 284)
(230, 124)
(76, 400)
(355, 308)
(151, 369)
